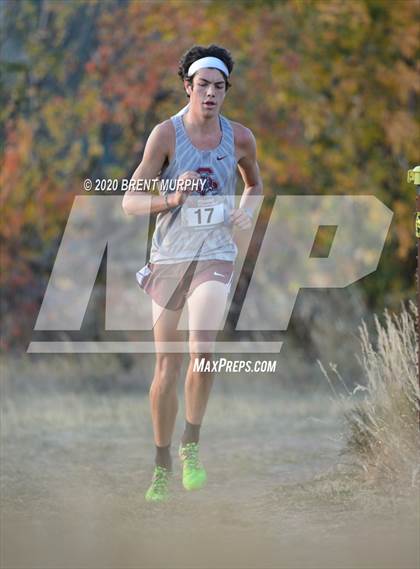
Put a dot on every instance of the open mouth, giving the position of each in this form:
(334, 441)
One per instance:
(209, 105)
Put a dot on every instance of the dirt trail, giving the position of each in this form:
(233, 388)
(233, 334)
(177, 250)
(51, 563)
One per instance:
(75, 468)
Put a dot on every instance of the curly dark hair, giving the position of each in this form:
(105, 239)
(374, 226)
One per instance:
(199, 51)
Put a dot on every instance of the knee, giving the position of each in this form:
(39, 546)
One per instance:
(202, 345)
(202, 363)
(201, 355)
(168, 366)
(166, 376)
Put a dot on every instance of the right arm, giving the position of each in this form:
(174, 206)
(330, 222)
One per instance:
(156, 152)
(154, 156)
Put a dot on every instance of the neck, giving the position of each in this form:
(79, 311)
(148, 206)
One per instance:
(204, 125)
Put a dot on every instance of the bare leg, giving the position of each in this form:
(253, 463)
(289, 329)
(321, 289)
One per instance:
(163, 390)
(206, 307)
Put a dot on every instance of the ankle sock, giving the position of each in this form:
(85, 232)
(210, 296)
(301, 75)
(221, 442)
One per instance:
(163, 457)
(191, 433)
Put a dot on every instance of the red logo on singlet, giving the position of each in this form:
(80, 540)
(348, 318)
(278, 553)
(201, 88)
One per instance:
(211, 186)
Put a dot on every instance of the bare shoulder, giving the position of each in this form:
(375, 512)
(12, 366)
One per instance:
(161, 141)
(163, 132)
(245, 144)
(243, 135)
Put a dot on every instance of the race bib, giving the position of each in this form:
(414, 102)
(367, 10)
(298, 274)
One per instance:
(203, 213)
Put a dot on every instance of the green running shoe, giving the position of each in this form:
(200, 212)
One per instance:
(158, 491)
(194, 475)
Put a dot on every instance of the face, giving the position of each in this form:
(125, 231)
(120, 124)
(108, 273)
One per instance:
(208, 91)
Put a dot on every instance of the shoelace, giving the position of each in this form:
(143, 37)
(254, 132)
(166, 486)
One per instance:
(190, 453)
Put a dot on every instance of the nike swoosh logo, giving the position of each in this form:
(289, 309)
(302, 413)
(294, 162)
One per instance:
(218, 275)
(221, 157)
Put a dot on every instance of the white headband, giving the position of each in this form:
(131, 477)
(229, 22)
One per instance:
(214, 62)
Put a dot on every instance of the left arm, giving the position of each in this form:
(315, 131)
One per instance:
(250, 173)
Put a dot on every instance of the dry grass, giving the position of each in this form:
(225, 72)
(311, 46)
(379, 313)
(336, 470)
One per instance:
(77, 455)
(382, 436)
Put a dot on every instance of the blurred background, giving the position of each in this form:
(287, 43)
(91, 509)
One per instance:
(330, 90)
